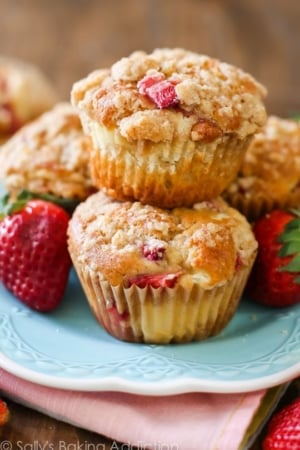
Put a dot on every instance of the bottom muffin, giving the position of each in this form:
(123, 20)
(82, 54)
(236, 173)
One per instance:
(159, 276)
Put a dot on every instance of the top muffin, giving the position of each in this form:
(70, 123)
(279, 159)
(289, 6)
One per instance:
(169, 128)
(216, 97)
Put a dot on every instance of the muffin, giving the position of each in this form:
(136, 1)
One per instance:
(25, 93)
(169, 128)
(269, 177)
(158, 276)
(50, 155)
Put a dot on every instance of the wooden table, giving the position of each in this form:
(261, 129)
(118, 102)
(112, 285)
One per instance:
(27, 428)
(67, 39)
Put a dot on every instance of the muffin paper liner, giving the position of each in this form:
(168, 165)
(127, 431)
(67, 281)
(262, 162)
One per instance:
(165, 174)
(162, 315)
(254, 207)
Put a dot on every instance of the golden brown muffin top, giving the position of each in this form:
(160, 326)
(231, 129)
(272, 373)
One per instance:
(272, 162)
(206, 243)
(49, 155)
(209, 98)
(25, 93)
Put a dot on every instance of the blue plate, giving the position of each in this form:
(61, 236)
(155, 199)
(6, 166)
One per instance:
(67, 348)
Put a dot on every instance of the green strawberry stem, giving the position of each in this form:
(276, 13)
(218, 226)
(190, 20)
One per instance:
(8, 207)
(290, 240)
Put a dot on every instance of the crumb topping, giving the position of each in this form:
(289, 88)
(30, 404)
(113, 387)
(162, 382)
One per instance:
(50, 155)
(124, 239)
(218, 98)
(272, 162)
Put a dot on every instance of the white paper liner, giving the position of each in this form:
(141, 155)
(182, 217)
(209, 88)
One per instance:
(166, 174)
(162, 315)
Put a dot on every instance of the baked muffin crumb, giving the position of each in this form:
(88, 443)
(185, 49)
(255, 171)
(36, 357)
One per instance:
(189, 239)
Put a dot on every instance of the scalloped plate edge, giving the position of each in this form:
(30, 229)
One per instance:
(186, 385)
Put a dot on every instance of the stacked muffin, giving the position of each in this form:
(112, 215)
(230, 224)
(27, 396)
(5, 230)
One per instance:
(269, 177)
(161, 257)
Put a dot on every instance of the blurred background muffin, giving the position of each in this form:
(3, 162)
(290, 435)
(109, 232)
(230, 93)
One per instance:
(49, 156)
(269, 177)
(25, 93)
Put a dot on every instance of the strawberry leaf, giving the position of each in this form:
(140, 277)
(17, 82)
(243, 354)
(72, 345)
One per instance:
(290, 240)
(69, 204)
(293, 224)
(294, 211)
(292, 235)
(292, 266)
(3, 205)
(290, 248)
(297, 279)
(8, 206)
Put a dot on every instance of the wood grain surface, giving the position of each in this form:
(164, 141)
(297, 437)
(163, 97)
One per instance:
(69, 38)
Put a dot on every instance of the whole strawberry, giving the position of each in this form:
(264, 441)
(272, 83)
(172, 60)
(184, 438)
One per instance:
(4, 412)
(283, 432)
(275, 277)
(34, 258)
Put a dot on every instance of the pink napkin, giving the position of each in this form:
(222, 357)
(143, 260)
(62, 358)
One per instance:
(178, 422)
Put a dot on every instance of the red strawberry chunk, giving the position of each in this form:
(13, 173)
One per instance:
(238, 262)
(149, 80)
(158, 89)
(163, 94)
(153, 252)
(158, 280)
(12, 121)
(3, 84)
(116, 315)
(4, 413)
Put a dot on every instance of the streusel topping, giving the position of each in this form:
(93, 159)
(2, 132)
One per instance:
(122, 239)
(51, 154)
(272, 162)
(147, 95)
